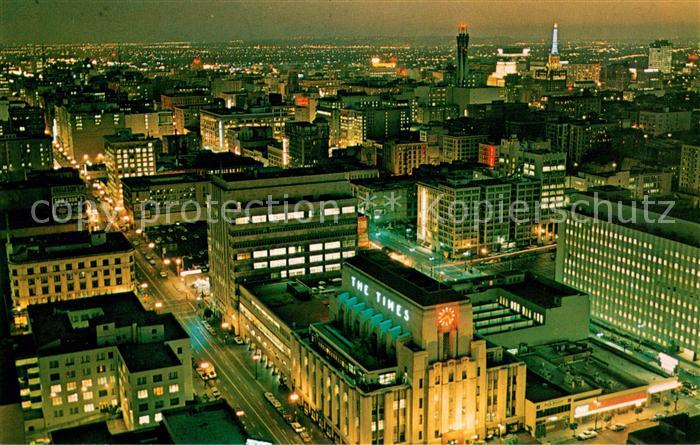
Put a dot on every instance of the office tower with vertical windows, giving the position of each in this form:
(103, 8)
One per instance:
(398, 362)
(307, 143)
(689, 175)
(278, 224)
(642, 275)
(79, 128)
(661, 56)
(128, 155)
(86, 360)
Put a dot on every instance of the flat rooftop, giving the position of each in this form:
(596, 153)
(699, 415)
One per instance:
(568, 368)
(276, 172)
(58, 246)
(419, 288)
(542, 291)
(294, 312)
(52, 331)
(213, 423)
(142, 182)
(148, 356)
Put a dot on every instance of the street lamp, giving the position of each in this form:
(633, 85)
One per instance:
(294, 398)
(151, 245)
(256, 359)
(166, 261)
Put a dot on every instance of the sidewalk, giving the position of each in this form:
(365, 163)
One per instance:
(271, 384)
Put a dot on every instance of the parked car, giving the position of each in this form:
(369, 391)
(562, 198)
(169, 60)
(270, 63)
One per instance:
(163, 274)
(239, 411)
(305, 437)
(297, 427)
(208, 327)
(238, 340)
(216, 393)
(618, 427)
(588, 434)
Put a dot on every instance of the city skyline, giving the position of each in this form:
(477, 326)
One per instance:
(49, 22)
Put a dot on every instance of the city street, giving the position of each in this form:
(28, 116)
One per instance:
(233, 363)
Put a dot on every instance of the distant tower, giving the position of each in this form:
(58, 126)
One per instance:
(462, 56)
(554, 61)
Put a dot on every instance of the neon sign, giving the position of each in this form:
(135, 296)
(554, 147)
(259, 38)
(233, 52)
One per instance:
(392, 306)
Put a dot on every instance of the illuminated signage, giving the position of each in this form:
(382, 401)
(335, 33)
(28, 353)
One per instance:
(389, 304)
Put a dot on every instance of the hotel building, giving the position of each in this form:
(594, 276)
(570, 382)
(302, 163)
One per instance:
(67, 266)
(398, 363)
(85, 360)
(269, 225)
(643, 277)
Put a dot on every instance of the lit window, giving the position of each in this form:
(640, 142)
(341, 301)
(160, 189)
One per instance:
(87, 395)
(143, 420)
(260, 265)
(142, 394)
(55, 389)
(89, 408)
(158, 391)
(56, 401)
(72, 398)
(158, 417)
(173, 388)
(315, 247)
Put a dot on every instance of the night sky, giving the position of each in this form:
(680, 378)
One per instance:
(72, 21)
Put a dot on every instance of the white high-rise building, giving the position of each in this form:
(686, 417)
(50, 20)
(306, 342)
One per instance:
(661, 56)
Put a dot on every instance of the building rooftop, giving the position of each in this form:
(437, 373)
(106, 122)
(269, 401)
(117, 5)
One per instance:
(568, 368)
(53, 332)
(419, 288)
(212, 423)
(144, 182)
(99, 432)
(542, 291)
(275, 172)
(58, 246)
(294, 312)
(148, 356)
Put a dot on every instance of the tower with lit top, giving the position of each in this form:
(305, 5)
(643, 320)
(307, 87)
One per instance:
(554, 61)
(462, 56)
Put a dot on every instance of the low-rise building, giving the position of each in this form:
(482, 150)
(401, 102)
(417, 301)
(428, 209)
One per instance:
(583, 381)
(271, 312)
(86, 360)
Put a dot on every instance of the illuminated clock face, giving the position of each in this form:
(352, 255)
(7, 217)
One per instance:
(446, 317)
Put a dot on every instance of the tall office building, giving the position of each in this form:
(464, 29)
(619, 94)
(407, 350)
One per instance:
(642, 276)
(398, 362)
(307, 143)
(462, 56)
(25, 153)
(689, 176)
(290, 223)
(79, 128)
(661, 56)
(85, 361)
(553, 59)
(128, 155)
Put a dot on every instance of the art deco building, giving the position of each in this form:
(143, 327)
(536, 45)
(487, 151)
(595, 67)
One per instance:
(398, 363)
(86, 360)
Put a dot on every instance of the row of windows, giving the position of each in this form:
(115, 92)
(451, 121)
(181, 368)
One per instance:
(31, 270)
